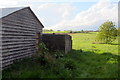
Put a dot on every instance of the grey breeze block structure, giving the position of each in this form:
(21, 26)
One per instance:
(62, 42)
(20, 31)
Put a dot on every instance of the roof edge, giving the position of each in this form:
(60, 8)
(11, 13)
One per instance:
(22, 9)
(35, 16)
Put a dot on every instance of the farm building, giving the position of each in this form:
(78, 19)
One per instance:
(20, 32)
(61, 42)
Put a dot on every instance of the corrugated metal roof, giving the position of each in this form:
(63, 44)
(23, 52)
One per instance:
(6, 11)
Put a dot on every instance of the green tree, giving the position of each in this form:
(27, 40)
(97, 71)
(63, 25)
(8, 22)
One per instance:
(107, 32)
(82, 31)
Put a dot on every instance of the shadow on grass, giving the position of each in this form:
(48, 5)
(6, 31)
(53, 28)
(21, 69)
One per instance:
(81, 52)
(113, 44)
(87, 64)
(108, 43)
(95, 65)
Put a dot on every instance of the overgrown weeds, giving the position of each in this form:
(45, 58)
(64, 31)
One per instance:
(86, 60)
(76, 64)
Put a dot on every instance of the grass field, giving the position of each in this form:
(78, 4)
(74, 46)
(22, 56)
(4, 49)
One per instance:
(86, 60)
(85, 41)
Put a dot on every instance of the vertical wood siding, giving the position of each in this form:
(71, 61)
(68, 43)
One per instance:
(19, 36)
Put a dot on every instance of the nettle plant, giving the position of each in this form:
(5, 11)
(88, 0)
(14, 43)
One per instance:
(43, 48)
(58, 54)
(43, 51)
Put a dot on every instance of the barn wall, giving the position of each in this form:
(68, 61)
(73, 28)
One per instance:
(19, 32)
(0, 48)
(55, 42)
(0, 45)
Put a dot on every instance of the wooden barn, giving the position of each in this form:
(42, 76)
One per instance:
(20, 32)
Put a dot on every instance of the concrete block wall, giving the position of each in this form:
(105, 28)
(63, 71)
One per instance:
(62, 42)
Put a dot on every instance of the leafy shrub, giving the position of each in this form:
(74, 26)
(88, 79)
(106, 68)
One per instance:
(81, 50)
(70, 64)
(43, 48)
(50, 58)
(43, 51)
(58, 54)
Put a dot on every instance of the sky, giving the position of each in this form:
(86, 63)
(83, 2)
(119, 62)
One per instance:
(70, 14)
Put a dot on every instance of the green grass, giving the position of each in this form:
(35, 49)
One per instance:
(85, 41)
(86, 60)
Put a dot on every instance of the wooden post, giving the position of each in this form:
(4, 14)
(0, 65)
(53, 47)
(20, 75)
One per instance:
(38, 40)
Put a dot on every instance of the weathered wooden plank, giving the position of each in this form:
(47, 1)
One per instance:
(17, 31)
(16, 46)
(8, 62)
(20, 23)
(19, 26)
(9, 56)
(17, 49)
(18, 34)
(17, 54)
(20, 40)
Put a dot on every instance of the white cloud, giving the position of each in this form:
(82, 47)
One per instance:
(8, 3)
(62, 10)
(69, 0)
(53, 13)
(62, 16)
(91, 18)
